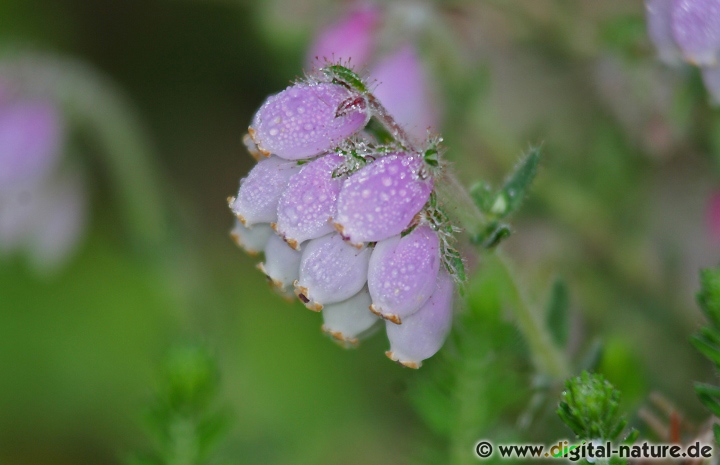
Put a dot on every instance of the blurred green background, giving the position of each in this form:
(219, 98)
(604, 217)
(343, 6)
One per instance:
(619, 210)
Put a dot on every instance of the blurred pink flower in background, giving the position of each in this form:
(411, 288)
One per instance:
(42, 202)
(352, 38)
(399, 79)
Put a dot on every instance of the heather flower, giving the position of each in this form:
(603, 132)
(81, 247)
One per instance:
(688, 30)
(30, 141)
(696, 28)
(261, 190)
(309, 202)
(331, 271)
(399, 80)
(403, 89)
(348, 40)
(281, 263)
(403, 272)
(307, 119)
(393, 235)
(380, 200)
(42, 206)
(253, 239)
(58, 222)
(422, 334)
(350, 319)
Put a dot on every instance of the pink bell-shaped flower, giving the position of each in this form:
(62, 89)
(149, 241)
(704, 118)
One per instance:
(380, 200)
(331, 271)
(403, 273)
(260, 191)
(309, 202)
(307, 119)
(422, 334)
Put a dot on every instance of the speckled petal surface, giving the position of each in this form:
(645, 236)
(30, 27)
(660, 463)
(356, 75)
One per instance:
(659, 23)
(30, 141)
(351, 39)
(281, 263)
(422, 334)
(696, 27)
(331, 271)
(310, 200)
(261, 190)
(253, 239)
(302, 122)
(346, 321)
(403, 272)
(380, 200)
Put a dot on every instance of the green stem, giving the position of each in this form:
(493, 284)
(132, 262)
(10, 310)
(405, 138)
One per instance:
(548, 359)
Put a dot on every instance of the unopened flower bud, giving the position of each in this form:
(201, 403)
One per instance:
(346, 321)
(404, 91)
(281, 263)
(304, 120)
(380, 200)
(422, 334)
(309, 202)
(350, 39)
(331, 271)
(403, 273)
(260, 191)
(253, 239)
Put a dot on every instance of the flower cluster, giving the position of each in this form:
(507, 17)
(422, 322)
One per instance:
(42, 202)
(346, 215)
(688, 30)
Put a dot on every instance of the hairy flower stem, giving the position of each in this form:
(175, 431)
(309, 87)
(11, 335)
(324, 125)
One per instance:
(384, 117)
(546, 357)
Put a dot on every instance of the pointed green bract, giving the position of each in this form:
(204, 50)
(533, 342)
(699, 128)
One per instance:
(517, 185)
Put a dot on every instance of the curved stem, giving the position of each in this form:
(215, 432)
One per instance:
(547, 358)
(94, 103)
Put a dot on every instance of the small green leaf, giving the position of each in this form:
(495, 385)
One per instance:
(380, 132)
(345, 76)
(707, 348)
(483, 196)
(709, 295)
(517, 185)
(557, 313)
(493, 234)
(716, 433)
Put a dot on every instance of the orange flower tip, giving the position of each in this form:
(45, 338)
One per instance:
(264, 152)
(252, 147)
(391, 317)
(274, 227)
(230, 201)
(302, 294)
(242, 220)
(293, 243)
(413, 365)
(338, 337)
(274, 282)
(341, 230)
